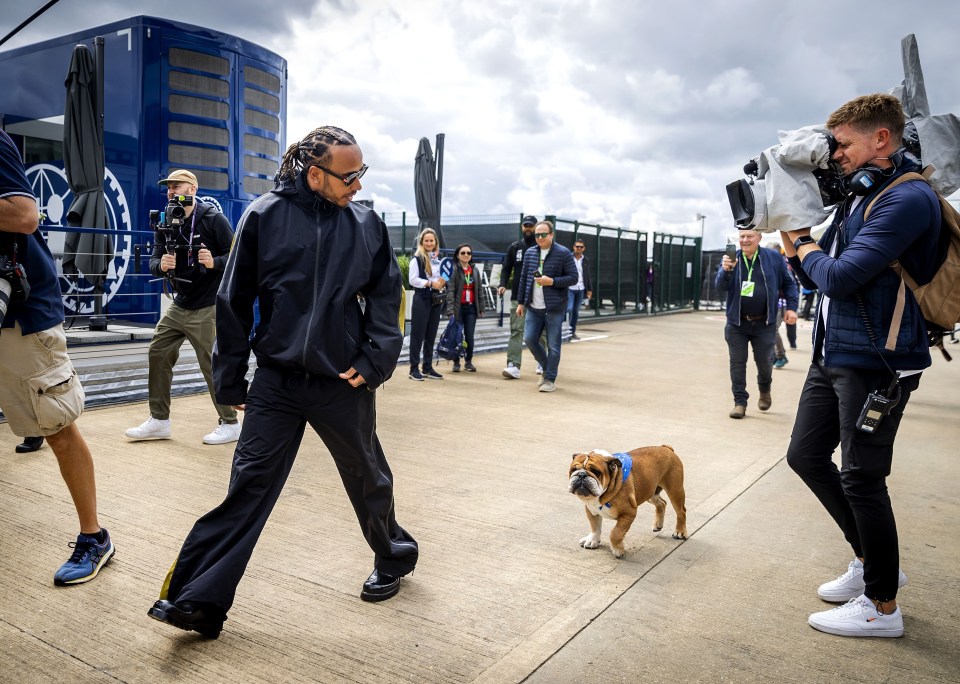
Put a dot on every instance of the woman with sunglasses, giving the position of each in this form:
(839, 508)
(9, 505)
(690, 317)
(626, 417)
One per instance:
(428, 301)
(464, 301)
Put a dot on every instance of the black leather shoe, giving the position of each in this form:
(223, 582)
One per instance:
(188, 616)
(29, 444)
(380, 586)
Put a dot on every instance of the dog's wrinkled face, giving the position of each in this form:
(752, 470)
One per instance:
(590, 473)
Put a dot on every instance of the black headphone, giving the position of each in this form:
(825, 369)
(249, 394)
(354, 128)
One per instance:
(863, 181)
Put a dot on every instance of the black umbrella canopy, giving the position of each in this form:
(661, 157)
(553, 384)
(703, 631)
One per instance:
(425, 189)
(84, 253)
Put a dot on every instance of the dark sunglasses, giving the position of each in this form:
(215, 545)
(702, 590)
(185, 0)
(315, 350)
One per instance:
(466, 253)
(349, 178)
(578, 246)
(540, 235)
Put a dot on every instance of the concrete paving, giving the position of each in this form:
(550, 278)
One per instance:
(503, 592)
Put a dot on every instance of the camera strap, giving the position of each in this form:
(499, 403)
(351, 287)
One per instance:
(862, 311)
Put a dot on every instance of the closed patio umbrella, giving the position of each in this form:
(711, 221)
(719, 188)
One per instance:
(85, 254)
(427, 185)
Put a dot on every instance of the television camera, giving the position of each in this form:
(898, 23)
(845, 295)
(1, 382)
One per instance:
(14, 286)
(170, 223)
(796, 183)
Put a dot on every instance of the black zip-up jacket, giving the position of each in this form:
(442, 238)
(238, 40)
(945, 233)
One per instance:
(310, 263)
(213, 230)
(513, 262)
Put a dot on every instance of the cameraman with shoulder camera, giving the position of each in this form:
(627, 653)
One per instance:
(40, 393)
(191, 248)
(864, 367)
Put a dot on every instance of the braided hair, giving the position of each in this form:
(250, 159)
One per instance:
(313, 149)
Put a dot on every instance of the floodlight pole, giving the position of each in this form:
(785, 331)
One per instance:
(697, 285)
(440, 139)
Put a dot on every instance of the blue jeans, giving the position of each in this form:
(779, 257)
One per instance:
(575, 301)
(538, 321)
(468, 316)
(763, 338)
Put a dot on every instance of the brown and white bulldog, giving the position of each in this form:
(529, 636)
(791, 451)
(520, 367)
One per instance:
(613, 486)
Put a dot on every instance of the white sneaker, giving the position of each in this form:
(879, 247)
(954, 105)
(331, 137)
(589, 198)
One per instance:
(539, 369)
(850, 584)
(511, 371)
(151, 428)
(547, 386)
(858, 617)
(224, 434)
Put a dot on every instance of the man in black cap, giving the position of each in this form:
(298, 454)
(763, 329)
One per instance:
(512, 261)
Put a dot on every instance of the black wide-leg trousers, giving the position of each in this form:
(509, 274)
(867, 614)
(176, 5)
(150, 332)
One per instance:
(279, 406)
(855, 495)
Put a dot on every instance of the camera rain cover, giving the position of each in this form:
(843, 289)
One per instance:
(785, 194)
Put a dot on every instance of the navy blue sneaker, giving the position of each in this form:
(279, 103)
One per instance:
(89, 556)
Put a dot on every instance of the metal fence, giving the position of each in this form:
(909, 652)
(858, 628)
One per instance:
(627, 276)
(126, 292)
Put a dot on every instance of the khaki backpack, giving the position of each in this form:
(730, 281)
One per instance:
(939, 299)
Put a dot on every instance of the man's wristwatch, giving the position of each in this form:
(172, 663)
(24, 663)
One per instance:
(803, 240)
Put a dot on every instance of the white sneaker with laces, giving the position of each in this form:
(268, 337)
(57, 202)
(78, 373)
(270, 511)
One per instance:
(224, 434)
(850, 584)
(539, 369)
(151, 428)
(547, 386)
(858, 617)
(511, 371)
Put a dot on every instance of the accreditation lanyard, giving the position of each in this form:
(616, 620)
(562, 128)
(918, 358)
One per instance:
(747, 287)
(193, 223)
(540, 269)
(468, 285)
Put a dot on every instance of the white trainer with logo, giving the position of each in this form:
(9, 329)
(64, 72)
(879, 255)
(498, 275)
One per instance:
(850, 584)
(511, 371)
(224, 434)
(151, 428)
(858, 617)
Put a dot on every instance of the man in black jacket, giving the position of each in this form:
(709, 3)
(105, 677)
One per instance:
(329, 289)
(191, 252)
(581, 288)
(512, 261)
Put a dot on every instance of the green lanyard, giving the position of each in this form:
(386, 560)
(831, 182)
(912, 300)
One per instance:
(750, 267)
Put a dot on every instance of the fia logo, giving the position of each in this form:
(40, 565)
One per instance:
(50, 187)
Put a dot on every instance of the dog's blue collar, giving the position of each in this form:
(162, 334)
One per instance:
(627, 464)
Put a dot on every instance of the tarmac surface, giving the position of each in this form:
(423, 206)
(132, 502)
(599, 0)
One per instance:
(503, 592)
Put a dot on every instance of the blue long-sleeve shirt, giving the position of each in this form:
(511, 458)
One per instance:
(904, 226)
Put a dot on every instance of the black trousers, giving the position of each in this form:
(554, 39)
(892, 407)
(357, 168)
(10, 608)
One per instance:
(424, 321)
(855, 495)
(279, 406)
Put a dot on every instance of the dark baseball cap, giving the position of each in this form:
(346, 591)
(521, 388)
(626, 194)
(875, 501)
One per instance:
(529, 221)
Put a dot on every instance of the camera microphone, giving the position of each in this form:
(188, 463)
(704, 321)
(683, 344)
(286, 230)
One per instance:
(751, 168)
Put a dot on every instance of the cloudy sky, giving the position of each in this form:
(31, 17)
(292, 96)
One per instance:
(631, 113)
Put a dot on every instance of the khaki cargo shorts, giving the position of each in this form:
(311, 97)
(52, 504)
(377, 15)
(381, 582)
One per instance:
(40, 393)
